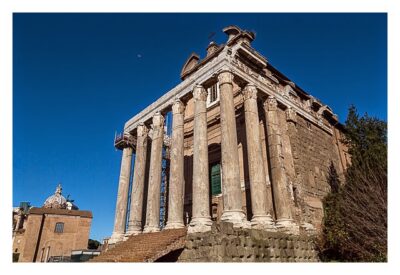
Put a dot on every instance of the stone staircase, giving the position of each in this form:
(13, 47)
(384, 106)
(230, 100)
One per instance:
(146, 247)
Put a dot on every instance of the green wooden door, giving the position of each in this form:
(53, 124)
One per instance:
(215, 178)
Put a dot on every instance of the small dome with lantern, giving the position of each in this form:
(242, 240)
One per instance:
(57, 200)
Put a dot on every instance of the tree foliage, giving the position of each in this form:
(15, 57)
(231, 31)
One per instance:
(355, 218)
(93, 244)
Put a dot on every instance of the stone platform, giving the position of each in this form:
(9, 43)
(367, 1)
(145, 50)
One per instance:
(227, 244)
(223, 243)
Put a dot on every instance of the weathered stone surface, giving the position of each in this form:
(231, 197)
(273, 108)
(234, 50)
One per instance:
(231, 189)
(201, 220)
(261, 217)
(176, 182)
(122, 199)
(135, 216)
(153, 197)
(248, 245)
(279, 178)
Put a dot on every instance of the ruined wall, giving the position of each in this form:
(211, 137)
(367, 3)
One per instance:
(314, 149)
(227, 244)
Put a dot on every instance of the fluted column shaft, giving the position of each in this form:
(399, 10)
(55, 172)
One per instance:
(136, 209)
(258, 188)
(279, 179)
(201, 220)
(232, 194)
(153, 197)
(176, 179)
(122, 198)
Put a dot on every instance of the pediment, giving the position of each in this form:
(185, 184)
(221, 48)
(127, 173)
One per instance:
(191, 62)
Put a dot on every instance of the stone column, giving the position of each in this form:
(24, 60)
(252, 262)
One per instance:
(279, 180)
(176, 179)
(201, 220)
(135, 215)
(232, 197)
(153, 197)
(122, 198)
(261, 217)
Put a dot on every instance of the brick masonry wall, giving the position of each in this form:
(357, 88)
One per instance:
(313, 151)
(227, 244)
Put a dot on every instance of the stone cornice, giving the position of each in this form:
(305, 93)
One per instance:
(186, 86)
(269, 88)
(224, 61)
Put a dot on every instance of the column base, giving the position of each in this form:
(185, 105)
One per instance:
(200, 224)
(287, 226)
(236, 217)
(174, 225)
(132, 233)
(263, 222)
(150, 229)
(134, 228)
(116, 238)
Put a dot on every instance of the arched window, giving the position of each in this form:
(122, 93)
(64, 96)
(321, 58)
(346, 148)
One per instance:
(59, 227)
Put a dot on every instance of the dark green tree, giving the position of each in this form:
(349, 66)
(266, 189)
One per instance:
(93, 244)
(355, 221)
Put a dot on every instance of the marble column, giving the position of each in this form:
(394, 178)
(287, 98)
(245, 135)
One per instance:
(201, 220)
(279, 180)
(153, 197)
(176, 179)
(231, 190)
(135, 215)
(122, 198)
(258, 189)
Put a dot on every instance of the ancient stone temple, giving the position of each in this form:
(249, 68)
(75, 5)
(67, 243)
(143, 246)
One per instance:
(246, 146)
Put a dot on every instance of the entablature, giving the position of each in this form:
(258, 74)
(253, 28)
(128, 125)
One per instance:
(248, 67)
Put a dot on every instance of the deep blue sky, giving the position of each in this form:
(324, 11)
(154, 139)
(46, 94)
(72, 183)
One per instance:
(79, 77)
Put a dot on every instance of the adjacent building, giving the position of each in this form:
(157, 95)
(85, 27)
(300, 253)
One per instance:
(50, 232)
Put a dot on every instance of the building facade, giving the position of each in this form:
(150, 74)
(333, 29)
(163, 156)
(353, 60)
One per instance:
(51, 232)
(246, 146)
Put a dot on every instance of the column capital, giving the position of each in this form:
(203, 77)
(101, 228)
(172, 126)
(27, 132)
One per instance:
(225, 77)
(142, 130)
(178, 107)
(249, 92)
(270, 104)
(291, 115)
(199, 93)
(158, 119)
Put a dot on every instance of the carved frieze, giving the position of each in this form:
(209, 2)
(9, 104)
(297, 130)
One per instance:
(239, 64)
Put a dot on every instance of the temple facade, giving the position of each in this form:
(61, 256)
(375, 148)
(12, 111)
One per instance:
(246, 146)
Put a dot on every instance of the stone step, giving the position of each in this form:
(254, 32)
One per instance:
(144, 247)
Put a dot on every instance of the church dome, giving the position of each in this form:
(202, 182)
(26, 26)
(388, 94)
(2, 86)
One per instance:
(57, 200)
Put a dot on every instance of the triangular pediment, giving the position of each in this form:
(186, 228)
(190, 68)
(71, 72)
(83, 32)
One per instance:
(191, 62)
